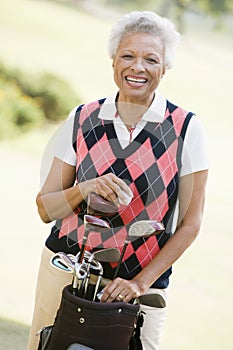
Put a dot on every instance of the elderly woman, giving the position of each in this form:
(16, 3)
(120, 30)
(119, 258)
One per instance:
(133, 144)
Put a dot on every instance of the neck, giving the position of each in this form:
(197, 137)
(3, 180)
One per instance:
(131, 112)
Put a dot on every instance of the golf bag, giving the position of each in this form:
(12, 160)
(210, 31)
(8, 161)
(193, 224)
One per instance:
(99, 326)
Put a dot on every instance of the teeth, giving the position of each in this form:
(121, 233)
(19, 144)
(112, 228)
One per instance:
(136, 80)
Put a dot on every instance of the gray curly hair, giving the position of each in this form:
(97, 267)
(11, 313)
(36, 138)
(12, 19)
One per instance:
(145, 22)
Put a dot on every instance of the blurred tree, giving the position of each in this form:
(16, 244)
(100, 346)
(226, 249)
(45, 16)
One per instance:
(169, 8)
(215, 7)
(27, 100)
(210, 6)
(181, 7)
(178, 8)
(129, 4)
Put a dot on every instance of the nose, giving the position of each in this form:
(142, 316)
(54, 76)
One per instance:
(137, 65)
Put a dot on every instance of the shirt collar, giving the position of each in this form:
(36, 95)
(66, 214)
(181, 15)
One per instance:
(155, 113)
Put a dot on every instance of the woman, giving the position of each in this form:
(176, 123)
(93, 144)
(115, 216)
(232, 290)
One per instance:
(137, 143)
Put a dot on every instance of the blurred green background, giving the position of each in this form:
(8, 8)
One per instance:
(53, 56)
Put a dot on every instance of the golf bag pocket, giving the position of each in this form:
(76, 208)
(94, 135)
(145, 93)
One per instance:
(101, 326)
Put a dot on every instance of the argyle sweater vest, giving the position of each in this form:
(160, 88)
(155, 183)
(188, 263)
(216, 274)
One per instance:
(150, 166)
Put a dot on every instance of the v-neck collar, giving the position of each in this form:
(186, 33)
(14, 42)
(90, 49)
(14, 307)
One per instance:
(133, 146)
(108, 113)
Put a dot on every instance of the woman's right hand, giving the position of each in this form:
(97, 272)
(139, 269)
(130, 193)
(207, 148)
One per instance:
(112, 188)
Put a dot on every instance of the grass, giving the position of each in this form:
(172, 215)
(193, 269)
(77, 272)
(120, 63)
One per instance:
(43, 36)
(12, 333)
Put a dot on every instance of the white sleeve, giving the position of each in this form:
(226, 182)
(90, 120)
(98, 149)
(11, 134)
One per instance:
(64, 142)
(194, 154)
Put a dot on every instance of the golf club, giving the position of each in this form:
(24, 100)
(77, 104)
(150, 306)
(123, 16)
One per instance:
(66, 258)
(62, 262)
(72, 258)
(75, 259)
(100, 275)
(91, 223)
(142, 228)
(97, 205)
(93, 264)
(58, 262)
(79, 278)
(105, 255)
(153, 299)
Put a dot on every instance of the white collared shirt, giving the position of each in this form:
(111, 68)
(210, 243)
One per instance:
(154, 114)
(194, 154)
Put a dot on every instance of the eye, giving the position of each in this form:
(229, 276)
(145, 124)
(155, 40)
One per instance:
(127, 57)
(151, 60)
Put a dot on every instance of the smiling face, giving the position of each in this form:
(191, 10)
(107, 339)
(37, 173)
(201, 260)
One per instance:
(138, 67)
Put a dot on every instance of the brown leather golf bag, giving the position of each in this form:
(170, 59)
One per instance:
(99, 326)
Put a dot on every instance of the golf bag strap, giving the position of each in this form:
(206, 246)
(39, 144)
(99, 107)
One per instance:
(135, 342)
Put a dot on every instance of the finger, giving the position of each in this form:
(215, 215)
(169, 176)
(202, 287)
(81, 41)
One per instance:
(112, 290)
(117, 184)
(107, 292)
(131, 291)
(106, 192)
(104, 189)
(129, 296)
(121, 290)
(113, 189)
(107, 185)
(122, 296)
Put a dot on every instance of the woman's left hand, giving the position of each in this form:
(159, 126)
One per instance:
(121, 290)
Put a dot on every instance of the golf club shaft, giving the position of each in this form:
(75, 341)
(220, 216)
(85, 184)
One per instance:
(121, 258)
(143, 228)
(81, 288)
(75, 285)
(83, 247)
(86, 283)
(97, 286)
